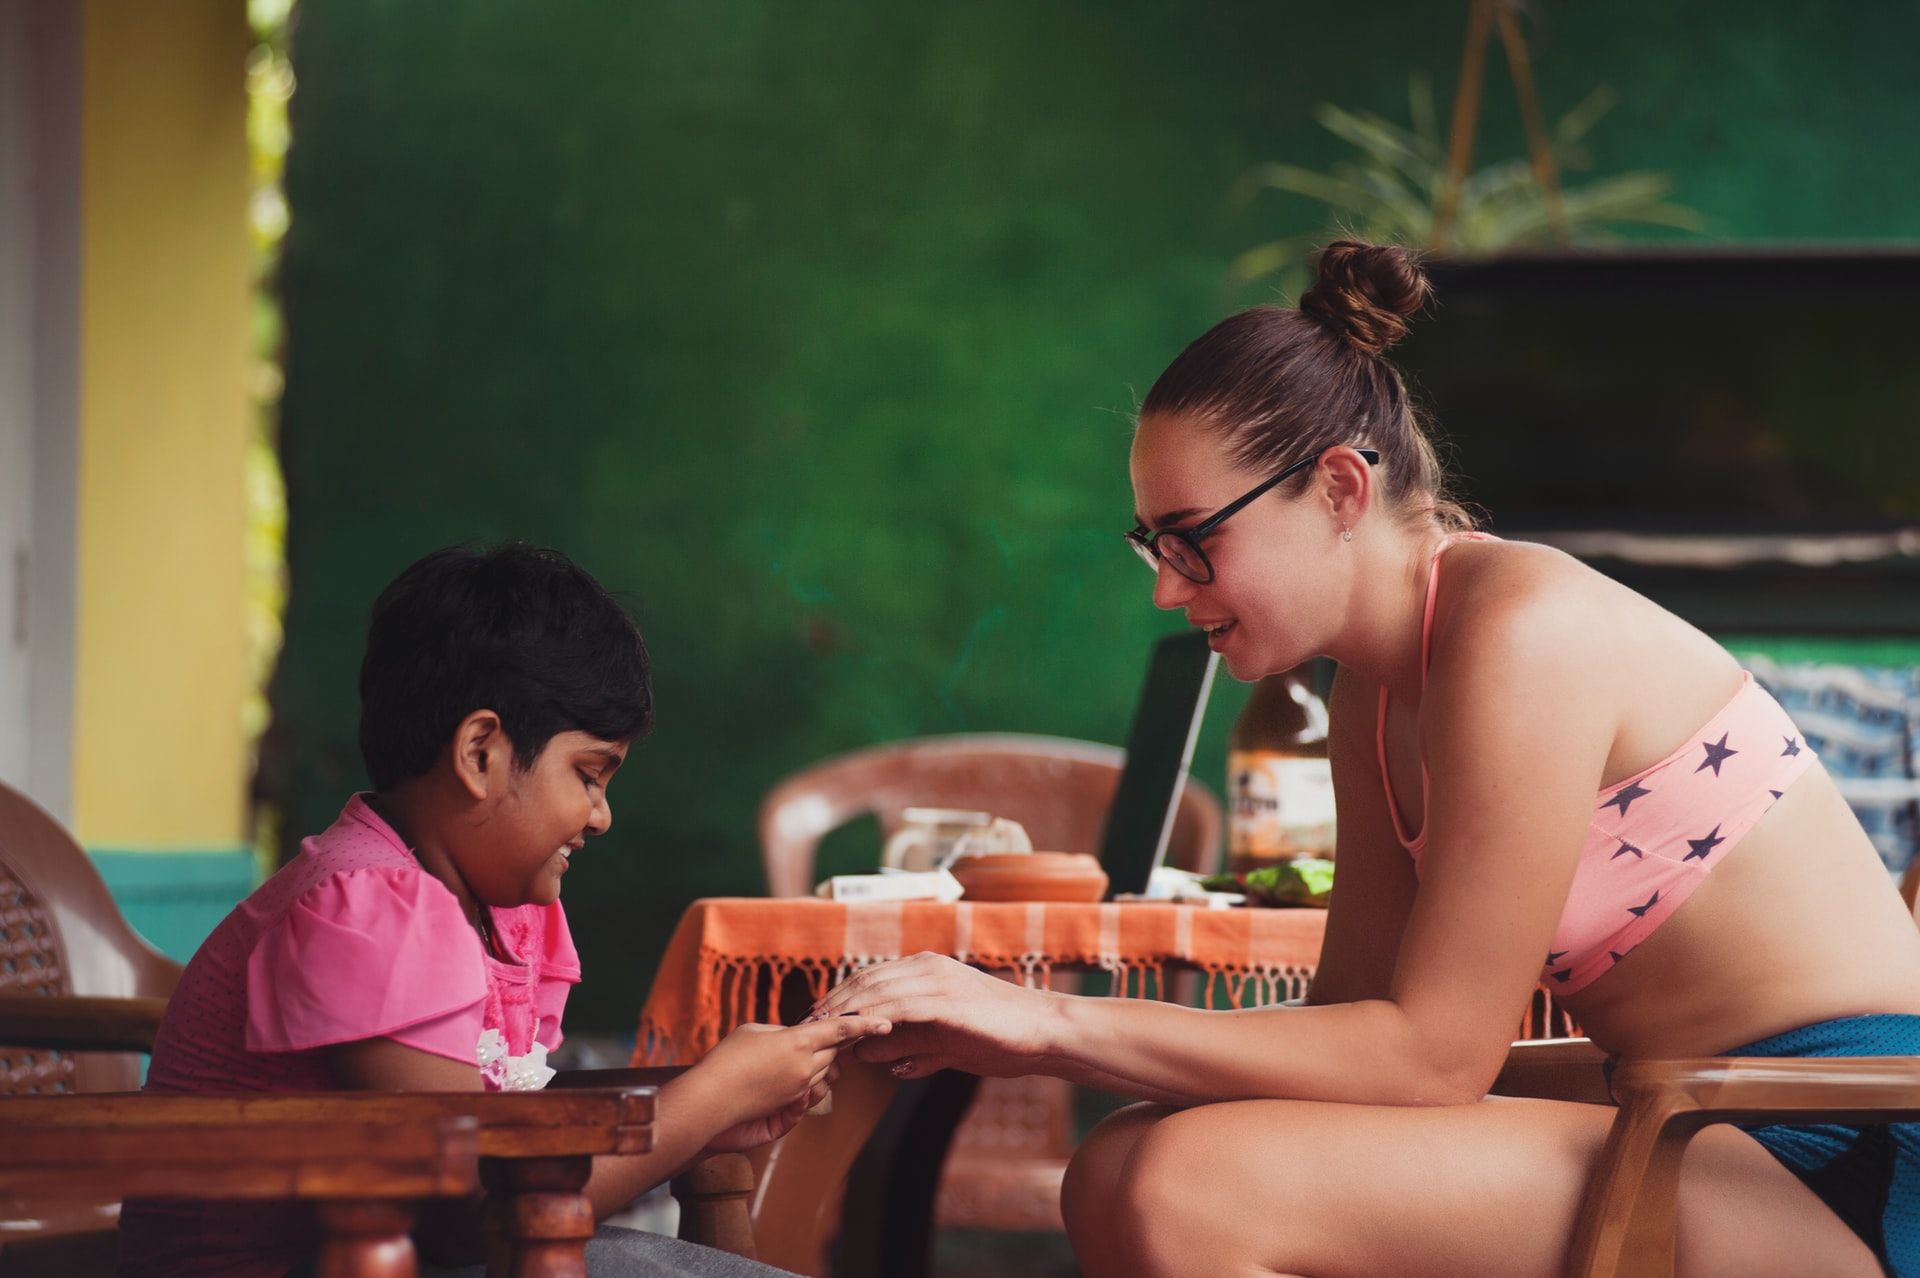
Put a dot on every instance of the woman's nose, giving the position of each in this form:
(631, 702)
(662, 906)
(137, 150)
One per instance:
(1170, 589)
(601, 819)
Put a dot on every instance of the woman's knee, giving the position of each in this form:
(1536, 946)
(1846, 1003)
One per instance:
(1087, 1195)
(1162, 1163)
(1168, 1190)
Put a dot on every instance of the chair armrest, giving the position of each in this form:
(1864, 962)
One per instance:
(71, 1023)
(1568, 1069)
(1783, 1089)
(1627, 1226)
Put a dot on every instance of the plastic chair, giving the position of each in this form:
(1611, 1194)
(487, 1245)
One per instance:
(69, 964)
(1057, 787)
(1011, 1151)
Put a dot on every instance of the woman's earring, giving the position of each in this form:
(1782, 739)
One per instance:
(1346, 533)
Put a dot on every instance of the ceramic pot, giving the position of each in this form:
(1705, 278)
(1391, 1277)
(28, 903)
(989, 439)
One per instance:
(1031, 876)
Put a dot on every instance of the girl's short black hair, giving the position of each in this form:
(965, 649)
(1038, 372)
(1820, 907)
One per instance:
(516, 629)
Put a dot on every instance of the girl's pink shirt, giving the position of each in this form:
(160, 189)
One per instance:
(351, 940)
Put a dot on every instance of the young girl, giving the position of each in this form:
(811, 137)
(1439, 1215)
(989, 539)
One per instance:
(1542, 778)
(419, 944)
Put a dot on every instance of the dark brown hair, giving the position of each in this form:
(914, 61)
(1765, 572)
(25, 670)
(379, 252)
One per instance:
(1280, 384)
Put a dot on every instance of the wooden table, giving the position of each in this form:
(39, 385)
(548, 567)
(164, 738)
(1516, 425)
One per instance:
(363, 1177)
(736, 960)
(348, 1151)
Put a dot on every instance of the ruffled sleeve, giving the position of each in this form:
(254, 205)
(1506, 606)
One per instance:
(365, 954)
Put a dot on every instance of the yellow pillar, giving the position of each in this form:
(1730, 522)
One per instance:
(159, 756)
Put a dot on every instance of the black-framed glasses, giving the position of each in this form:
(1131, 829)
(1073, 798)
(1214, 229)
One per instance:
(1180, 547)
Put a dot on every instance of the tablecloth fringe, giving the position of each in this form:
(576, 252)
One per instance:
(733, 990)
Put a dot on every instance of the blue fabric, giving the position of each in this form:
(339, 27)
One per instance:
(1864, 723)
(1869, 1176)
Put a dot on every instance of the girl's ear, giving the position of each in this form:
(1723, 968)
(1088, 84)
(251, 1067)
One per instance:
(479, 753)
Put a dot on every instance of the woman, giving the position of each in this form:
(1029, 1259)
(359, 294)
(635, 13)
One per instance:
(1529, 760)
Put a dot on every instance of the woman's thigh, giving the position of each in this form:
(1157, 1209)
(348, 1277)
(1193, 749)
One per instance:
(1301, 1187)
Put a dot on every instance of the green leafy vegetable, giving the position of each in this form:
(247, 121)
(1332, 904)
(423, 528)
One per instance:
(1305, 880)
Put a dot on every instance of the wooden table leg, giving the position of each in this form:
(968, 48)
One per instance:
(365, 1239)
(539, 1218)
(713, 1196)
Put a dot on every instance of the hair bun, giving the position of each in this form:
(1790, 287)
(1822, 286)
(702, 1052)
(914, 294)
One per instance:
(1367, 292)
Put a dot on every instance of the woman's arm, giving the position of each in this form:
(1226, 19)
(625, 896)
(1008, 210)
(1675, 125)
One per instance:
(1373, 892)
(1096, 1080)
(1374, 883)
(1516, 734)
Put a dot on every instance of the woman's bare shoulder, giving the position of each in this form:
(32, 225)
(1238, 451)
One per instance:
(1534, 620)
(1499, 564)
(1488, 586)
(1514, 592)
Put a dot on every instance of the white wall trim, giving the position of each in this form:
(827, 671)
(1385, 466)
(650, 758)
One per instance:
(41, 65)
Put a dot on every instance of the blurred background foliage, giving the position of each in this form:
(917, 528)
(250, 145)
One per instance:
(816, 330)
(1391, 191)
(269, 89)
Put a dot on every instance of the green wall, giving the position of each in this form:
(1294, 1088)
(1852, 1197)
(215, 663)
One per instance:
(816, 328)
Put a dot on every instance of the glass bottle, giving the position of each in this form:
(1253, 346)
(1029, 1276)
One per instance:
(1279, 783)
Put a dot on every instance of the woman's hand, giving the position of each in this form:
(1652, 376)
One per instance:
(946, 1015)
(762, 1078)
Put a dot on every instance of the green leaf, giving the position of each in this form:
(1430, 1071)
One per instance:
(1387, 145)
(1296, 181)
(1585, 114)
(1267, 259)
(1420, 110)
(1389, 190)
(1413, 215)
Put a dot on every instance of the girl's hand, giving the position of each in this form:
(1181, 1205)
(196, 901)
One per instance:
(947, 1016)
(759, 1073)
(755, 1132)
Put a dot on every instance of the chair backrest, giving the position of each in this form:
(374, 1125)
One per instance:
(60, 933)
(1058, 788)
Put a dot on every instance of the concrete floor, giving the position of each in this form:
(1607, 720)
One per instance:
(979, 1253)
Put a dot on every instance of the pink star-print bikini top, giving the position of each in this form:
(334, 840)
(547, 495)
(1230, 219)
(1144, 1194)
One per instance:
(1654, 836)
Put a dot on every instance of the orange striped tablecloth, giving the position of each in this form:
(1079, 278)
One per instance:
(729, 957)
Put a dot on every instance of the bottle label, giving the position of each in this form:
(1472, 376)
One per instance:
(1281, 805)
